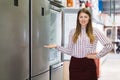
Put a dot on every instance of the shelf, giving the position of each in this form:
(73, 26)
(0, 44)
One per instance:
(71, 10)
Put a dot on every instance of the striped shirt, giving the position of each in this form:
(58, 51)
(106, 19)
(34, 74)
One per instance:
(83, 46)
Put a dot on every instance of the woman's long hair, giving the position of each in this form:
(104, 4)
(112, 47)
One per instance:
(89, 28)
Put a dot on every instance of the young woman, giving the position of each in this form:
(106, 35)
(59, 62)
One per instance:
(82, 48)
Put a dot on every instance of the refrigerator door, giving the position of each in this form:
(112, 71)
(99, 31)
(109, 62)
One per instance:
(56, 71)
(69, 18)
(14, 38)
(42, 76)
(40, 23)
(55, 35)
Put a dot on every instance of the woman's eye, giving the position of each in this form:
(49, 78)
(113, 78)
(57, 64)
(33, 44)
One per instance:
(81, 16)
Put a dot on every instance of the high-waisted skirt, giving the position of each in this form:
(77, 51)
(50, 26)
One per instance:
(82, 69)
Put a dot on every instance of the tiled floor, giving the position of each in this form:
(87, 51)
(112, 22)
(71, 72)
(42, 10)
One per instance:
(110, 69)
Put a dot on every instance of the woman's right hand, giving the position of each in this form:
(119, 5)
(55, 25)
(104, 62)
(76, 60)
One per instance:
(50, 46)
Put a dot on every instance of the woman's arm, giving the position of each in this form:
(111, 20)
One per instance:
(108, 46)
(68, 49)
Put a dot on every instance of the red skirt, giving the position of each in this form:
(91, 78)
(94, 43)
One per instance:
(82, 69)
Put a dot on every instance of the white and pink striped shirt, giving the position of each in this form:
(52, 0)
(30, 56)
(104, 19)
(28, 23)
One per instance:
(83, 47)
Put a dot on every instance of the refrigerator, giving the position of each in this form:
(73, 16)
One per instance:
(55, 30)
(22, 55)
(40, 37)
(25, 27)
(14, 39)
(46, 29)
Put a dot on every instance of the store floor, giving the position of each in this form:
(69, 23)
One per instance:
(110, 69)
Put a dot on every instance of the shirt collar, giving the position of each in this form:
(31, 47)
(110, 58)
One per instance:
(83, 28)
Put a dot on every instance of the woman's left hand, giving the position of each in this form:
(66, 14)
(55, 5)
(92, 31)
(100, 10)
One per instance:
(91, 56)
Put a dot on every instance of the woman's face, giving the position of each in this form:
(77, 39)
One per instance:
(83, 19)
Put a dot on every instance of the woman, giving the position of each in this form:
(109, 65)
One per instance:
(82, 48)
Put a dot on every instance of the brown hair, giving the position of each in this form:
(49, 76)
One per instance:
(89, 29)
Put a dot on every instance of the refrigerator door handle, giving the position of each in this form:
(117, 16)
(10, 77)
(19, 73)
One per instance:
(16, 3)
(42, 11)
(55, 66)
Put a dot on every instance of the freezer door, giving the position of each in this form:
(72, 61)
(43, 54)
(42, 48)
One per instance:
(56, 72)
(14, 26)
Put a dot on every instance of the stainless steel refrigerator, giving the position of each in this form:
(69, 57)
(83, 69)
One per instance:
(14, 39)
(15, 36)
(46, 29)
(55, 29)
(40, 37)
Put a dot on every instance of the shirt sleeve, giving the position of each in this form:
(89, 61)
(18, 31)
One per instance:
(68, 49)
(108, 46)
